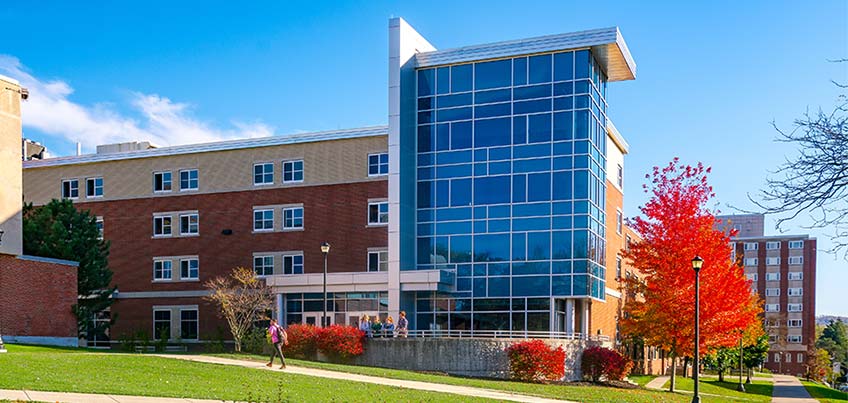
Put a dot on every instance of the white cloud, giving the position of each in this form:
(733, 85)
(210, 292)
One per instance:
(160, 120)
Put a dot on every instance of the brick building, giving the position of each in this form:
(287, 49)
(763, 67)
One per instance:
(490, 203)
(783, 271)
(36, 294)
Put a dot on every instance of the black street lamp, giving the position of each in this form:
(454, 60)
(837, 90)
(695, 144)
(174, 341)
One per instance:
(325, 249)
(697, 262)
(741, 387)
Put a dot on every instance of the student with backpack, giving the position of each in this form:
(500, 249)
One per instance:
(278, 338)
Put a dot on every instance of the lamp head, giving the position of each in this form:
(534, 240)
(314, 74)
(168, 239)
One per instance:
(697, 262)
(325, 247)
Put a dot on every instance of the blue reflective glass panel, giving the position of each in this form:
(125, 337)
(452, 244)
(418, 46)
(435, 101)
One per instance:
(564, 88)
(447, 115)
(499, 286)
(443, 80)
(581, 284)
(492, 110)
(426, 82)
(479, 287)
(531, 286)
(425, 250)
(561, 244)
(442, 137)
(538, 245)
(455, 157)
(453, 171)
(501, 153)
(493, 74)
(530, 151)
(563, 103)
(531, 268)
(581, 184)
(535, 106)
(581, 64)
(561, 267)
(561, 285)
(498, 211)
(561, 222)
(485, 97)
(461, 77)
(460, 135)
(540, 69)
(531, 224)
(492, 132)
(531, 210)
(426, 194)
(519, 71)
(491, 247)
(519, 188)
(581, 245)
(534, 91)
(426, 138)
(519, 130)
(519, 246)
(563, 128)
(539, 128)
(425, 103)
(461, 192)
(442, 193)
(563, 66)
(460, 249)
(533, 165)
(491, 190)
(562, 186)
(539, 187)
(564, 148)
(449, 101)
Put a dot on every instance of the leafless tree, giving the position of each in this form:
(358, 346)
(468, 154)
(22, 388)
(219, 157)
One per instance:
(242, 298)
(816, 180)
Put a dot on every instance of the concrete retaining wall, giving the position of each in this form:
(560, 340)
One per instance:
(478, 357)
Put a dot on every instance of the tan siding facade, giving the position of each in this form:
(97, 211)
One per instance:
(324, 162)
(10, 168)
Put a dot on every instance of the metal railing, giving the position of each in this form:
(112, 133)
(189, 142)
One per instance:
(506, 334)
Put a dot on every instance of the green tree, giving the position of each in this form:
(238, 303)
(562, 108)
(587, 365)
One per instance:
(754, 355)
(58, 230)
(834, 339)
(722, 360)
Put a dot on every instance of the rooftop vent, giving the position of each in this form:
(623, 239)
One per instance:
(123, 147)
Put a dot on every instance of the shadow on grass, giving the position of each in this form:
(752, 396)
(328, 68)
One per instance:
(750, 388)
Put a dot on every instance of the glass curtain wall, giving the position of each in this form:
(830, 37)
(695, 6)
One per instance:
(511, 188)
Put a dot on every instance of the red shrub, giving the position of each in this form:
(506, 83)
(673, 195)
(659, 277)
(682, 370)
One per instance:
(302, 341)
(341, 342)
(600, 361)
(535, 361)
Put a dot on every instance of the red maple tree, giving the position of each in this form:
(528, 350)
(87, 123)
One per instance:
(677, 226)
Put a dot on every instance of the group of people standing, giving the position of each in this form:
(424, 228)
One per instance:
(374, 328)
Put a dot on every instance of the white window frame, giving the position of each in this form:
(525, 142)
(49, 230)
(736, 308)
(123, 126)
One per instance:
(294, 171)
(380, 214)
(91, 183)
(619, 221)
(773, 245)
(170, 323)
(751, 246)
(264, 165)
(796, 275)
(196, 322)
(293, 209)
(794, 322)
(263, 259)
(618, 267)
(800, 357)
(794, 307)
(752, 276)
(188, 261)
(382, 260)
(291, 256)
(773, 261)
(751, 261)
(773, 276)
(793, 338)
(796, 260)
(170, 182)
(263, 220)
(189, 180)
(776, 357)
(188, 231)
(620, 177)
(772, 308)
(159, 273)
(170, 226)
(98, 221)
(379, 164)
(73, 185)
(795, 292)
(796, 244)
(772, 292)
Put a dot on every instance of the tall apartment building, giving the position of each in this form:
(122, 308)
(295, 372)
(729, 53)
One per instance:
(491, 202)
(783, 271)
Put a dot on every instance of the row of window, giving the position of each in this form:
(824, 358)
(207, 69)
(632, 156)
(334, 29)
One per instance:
(789, 323)
(793, 275)
(774, 260)
(774, 245)
(185, 326)
(263, 265)
(796, 339)
(163, 269)
(263, 174)
(789, 307)
(189, 224)
(793, 292)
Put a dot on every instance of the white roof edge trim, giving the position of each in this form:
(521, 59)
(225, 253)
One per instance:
(9, 80)
(617, 138)
(214, 146)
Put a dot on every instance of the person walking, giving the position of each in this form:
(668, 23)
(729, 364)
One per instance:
(279, 337)
(402, 325)
(389, 328)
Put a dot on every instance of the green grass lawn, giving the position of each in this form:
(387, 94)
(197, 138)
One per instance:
(642, 380)
(64, 370)
(759, 391)
(580, 393)
(823, 393)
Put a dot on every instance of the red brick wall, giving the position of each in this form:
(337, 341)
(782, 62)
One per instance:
(36, 298)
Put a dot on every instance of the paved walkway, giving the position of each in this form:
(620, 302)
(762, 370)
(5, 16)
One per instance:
(788, 389)
(432, 387)
(657, 383)
(30, 395)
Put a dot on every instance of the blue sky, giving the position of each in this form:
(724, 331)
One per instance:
(711, 77)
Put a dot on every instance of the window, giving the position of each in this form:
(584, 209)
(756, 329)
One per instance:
(378, 164)
(263, 220)
(293, 218)
(795, 307)
(161, 324)
(189, 224)
(618, 267)
(800, 357)
(772, 338)
(70, 189)
(293, 264)
(773, 261)
(162, 270)
(162, 181)
(292, 171)
(788, 355)
(796, 275)
(94, 187)
(751, 261)
(188, 324)
(794, 323)
(796, 244)
(162, 225)
(618, 222)
(263, 265)
(792, 339)
(752, 276)
(99, 223)
(796, 260)
(378, 213)
(772, 245)
(378, 260)
(776, 357)
(772, 276)
(620, 177)
(796, 292)
(188, 179)
(772, 292)
(751, 246)
(189, 269)
(772, 307)
(263, 174)
(627, 242)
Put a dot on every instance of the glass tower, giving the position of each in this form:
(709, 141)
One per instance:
(510, 189)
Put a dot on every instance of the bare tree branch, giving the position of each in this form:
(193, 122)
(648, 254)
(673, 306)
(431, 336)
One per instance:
(243, 300)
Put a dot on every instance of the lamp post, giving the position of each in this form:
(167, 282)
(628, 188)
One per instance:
(2, 348)
(697, 262)
(741, 387)
(325, 249)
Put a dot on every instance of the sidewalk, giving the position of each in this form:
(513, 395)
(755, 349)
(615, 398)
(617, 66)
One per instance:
(30, 395)
(433, 387)
(788, 389)
(657, 383)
